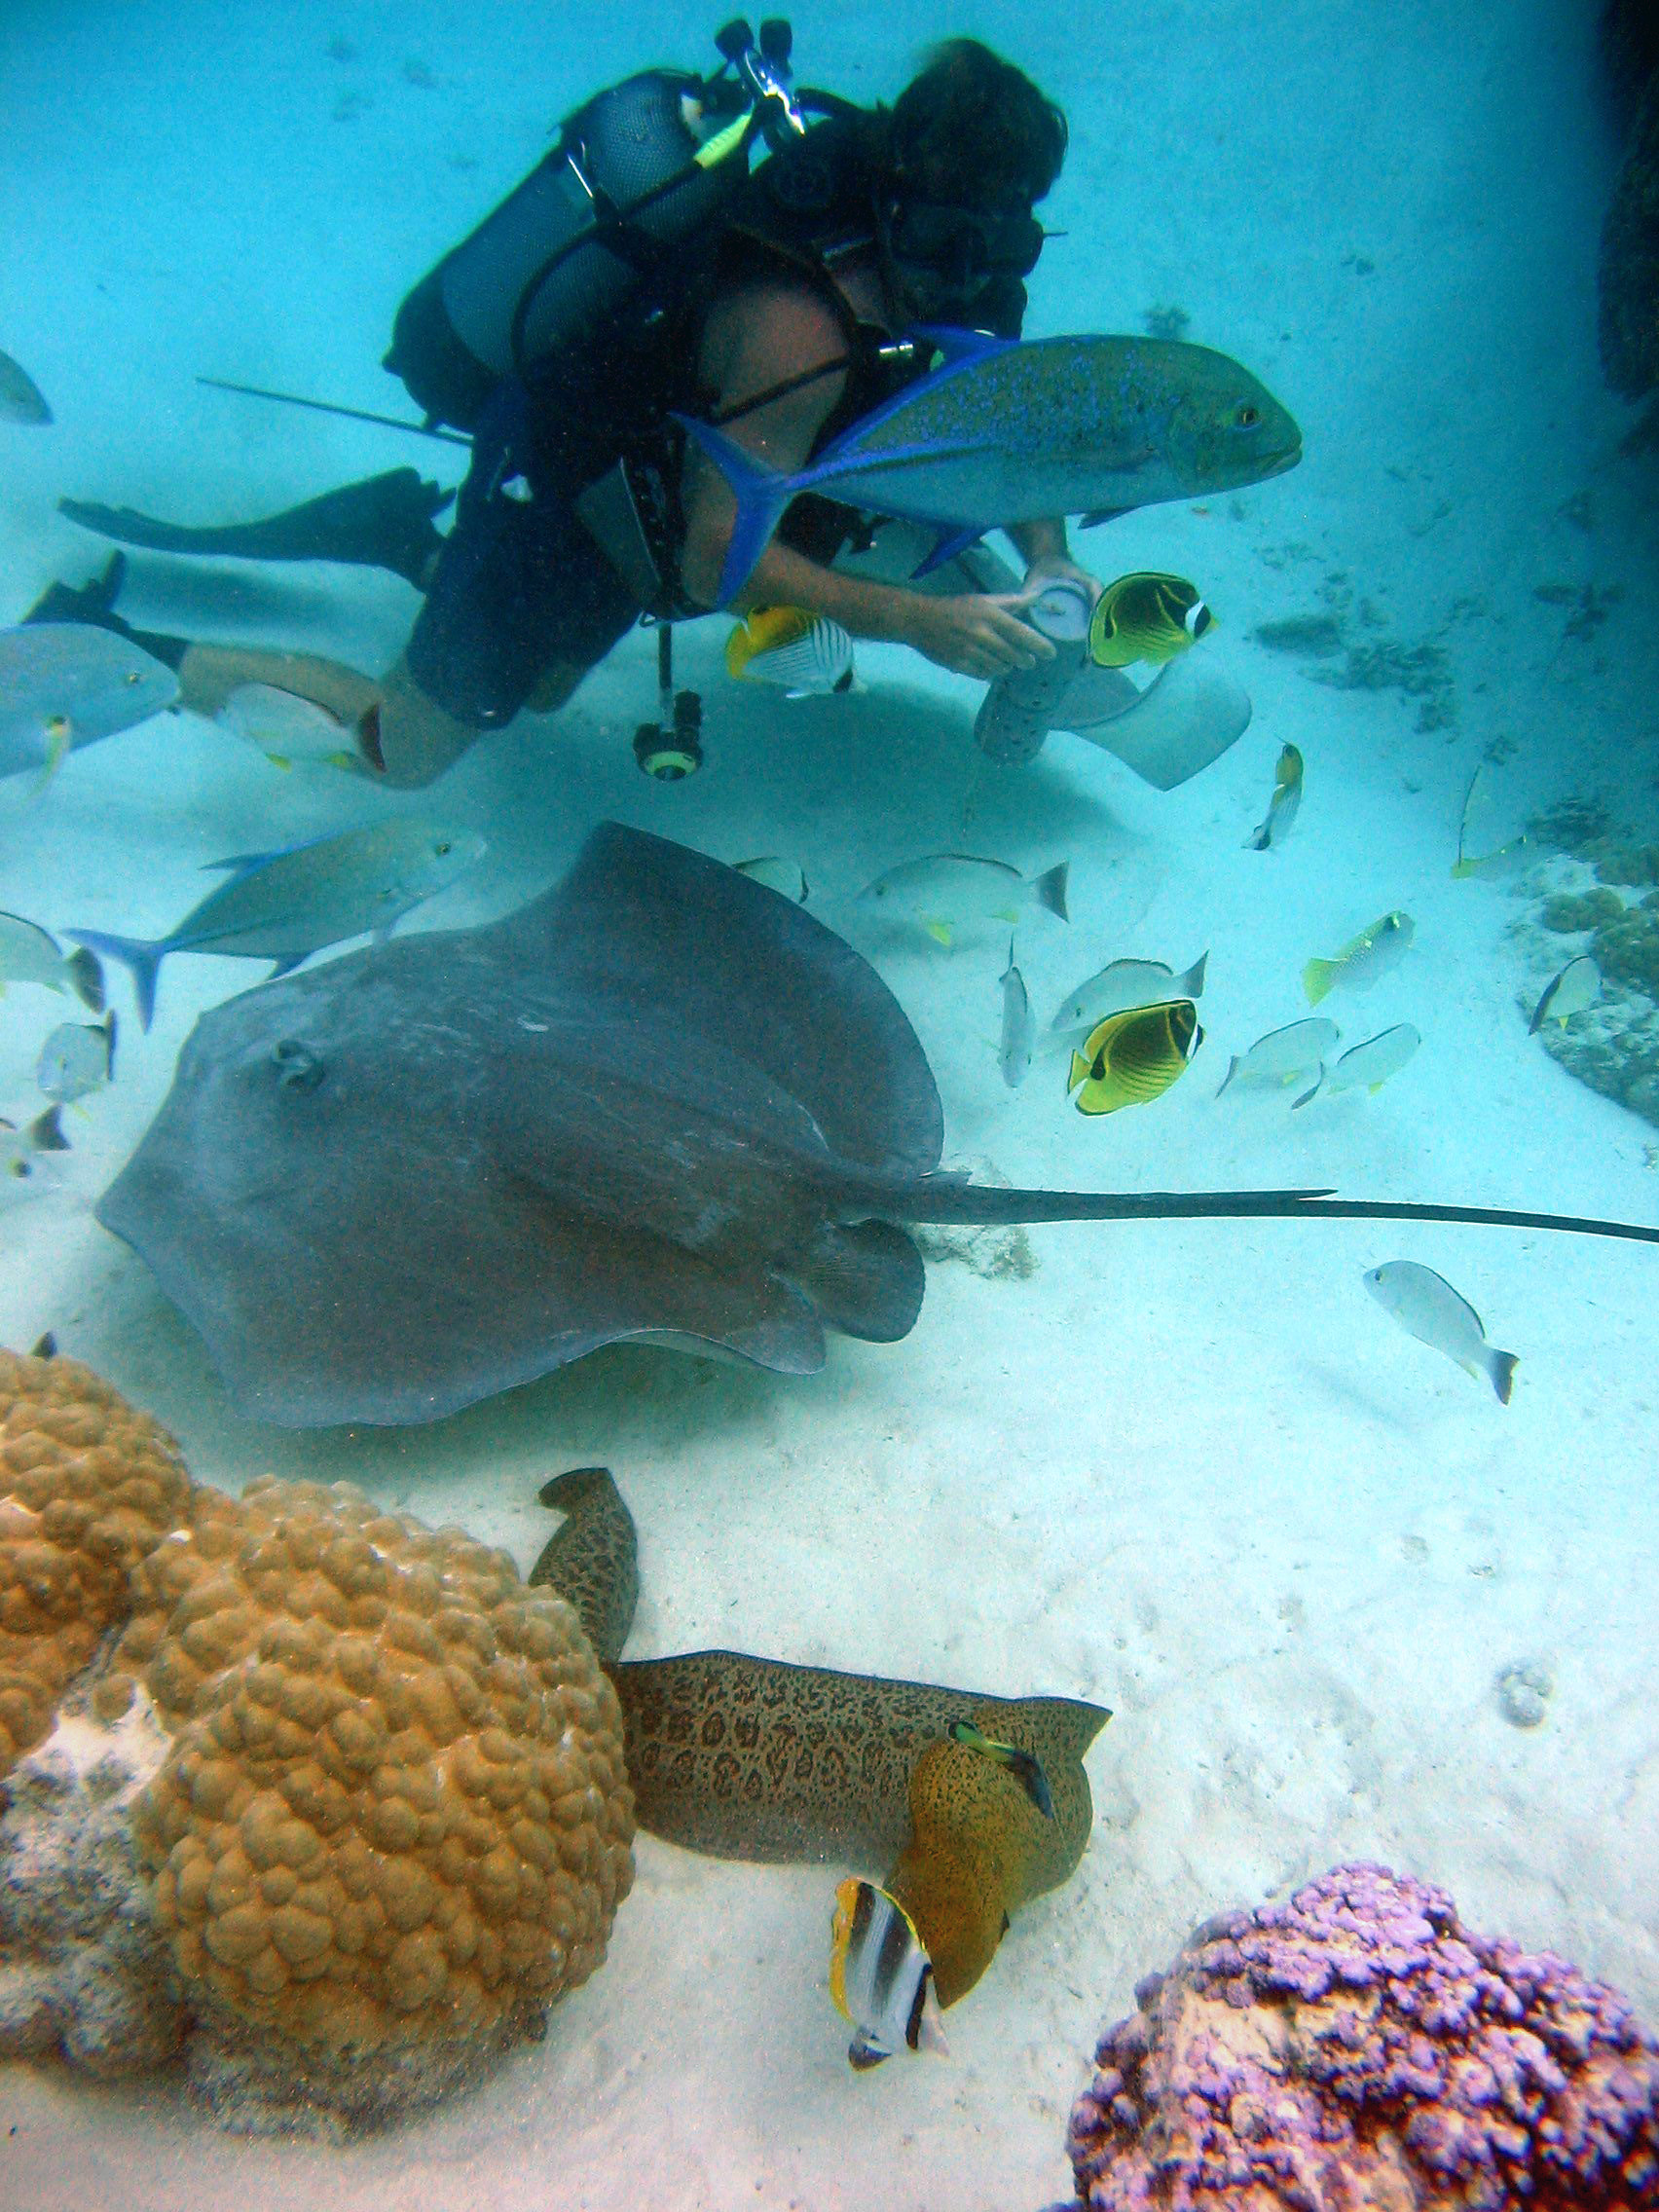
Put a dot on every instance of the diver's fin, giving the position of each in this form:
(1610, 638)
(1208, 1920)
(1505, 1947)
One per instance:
(95, 603)
(382, 522)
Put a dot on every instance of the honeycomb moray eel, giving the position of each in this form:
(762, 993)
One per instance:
(752, 1758)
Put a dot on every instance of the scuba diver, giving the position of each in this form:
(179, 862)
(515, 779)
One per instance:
(645, 268)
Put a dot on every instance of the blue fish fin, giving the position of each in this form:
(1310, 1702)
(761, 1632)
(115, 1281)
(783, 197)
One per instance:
(1097, 515)
(957, 345)
(947, 547)
(239, 865)
(143, 960)
(761, 493)
(286, 965)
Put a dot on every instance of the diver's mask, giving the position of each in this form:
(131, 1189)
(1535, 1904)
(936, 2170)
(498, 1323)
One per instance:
(950, 252)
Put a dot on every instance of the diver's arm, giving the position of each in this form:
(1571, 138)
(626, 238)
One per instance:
(1044, 548)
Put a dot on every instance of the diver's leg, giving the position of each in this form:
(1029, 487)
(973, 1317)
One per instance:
(208, 674)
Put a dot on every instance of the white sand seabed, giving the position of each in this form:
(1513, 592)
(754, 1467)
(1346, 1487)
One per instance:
(1190, 1470)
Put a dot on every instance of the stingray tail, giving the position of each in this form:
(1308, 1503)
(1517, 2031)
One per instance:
(144, 960)
(935, 1199)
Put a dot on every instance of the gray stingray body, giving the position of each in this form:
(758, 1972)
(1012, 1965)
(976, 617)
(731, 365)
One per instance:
(661, 1100)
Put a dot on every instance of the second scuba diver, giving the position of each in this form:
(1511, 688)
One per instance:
(780, 317)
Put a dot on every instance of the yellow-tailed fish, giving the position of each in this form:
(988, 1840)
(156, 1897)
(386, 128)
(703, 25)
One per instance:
(1146, 617)
(880, 1977)
(1133, 1057)
(1578, 985)
(803, 654)
(1282, 1055)
(1126, 983)
(1371, 1063)
(29, 954)
(1276, 826)
(1428, 1309)
(286, 728)
(1361, 962)
(68, 684)
(1025, 1766)
(947, 888)
(788, 878)
(77, 1059)
(1014, 1054)
(19, 1146)
(1502, 862)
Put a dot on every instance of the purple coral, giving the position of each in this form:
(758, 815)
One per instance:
(1357, 2049)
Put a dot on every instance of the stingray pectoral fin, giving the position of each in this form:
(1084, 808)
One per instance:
(864, 1278)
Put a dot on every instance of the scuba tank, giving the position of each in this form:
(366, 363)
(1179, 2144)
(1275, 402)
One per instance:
(636, 171)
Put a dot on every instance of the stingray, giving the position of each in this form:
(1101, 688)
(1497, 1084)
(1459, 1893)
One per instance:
(661, 1101)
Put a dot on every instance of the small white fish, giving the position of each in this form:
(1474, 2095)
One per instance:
(947, 888)
(1363, 959)
(286, 728)
(776, 874)
(1578, 985)
(69, 684)
(1283, 1055)
(805, 655)
(880, 1977)
(20, 399)
(19, 1148)
(1128, 984)
(77, 1059)
(1276, 826)
(1428, 1307)
(29, 954)
(1017, 1027)
(1371, 1063)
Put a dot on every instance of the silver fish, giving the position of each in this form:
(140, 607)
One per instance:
(1371, 1063)
(947, 888)
(1363, 959)
(1017, 1026)
(1276, 825)
(66, 684)
(1578, 985)
(1283, 1055)
(20, 399)
(285, 905)
(19, 1147)
(29, 954)
(1127, 984)
(77, 1059)
(1428, 1307)
(286, 728)
(1010, 430)
(788, 878)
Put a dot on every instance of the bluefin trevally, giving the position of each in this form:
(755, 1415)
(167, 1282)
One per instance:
(64, 684)
(285, 905)
(1011, 431)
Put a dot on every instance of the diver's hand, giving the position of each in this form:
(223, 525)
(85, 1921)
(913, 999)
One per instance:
(1053, 568)
(976, 633)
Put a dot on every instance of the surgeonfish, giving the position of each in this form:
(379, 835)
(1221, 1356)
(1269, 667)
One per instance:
(285, 905)
(287, 728)
(1014, 1054)
(65, 684)
(1361, 961)
(1428, 1307)
(1276, 826)
(778, 874)
(1126, 983)
(1133, 1057)
(21, 399)
(1578, 986)
(947, 888)
(880, 1977)
(1282, 1055)
(77, 1059)
(1006, 430)
(19, 1148)
(1371, 1063)
(805, 655)
(1025, 1766)
(1146, 617)
(29, 954)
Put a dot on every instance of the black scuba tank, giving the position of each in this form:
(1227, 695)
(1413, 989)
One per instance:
(635, 172)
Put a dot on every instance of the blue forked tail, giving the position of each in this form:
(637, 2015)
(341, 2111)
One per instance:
(143, 959)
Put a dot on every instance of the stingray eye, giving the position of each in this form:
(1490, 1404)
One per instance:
(298, 1067)
(1247, 417)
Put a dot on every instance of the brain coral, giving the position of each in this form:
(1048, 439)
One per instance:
(1357, 2049)
(88, 1487)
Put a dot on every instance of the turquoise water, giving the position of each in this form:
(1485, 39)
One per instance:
(1190, 1471)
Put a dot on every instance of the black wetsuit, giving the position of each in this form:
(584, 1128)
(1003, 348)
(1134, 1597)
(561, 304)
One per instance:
(521, 583)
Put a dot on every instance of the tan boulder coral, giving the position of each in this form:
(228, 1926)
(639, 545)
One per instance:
(88, 1487)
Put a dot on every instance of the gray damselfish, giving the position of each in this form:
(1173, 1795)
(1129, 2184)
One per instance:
(65, 684)
(1011, 431)
(659, 1101)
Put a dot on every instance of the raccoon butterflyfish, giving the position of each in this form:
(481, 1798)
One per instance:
(1133, 1057)
(1146, 617)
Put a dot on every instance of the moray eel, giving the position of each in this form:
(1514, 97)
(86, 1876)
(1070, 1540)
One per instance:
(750, 1759)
